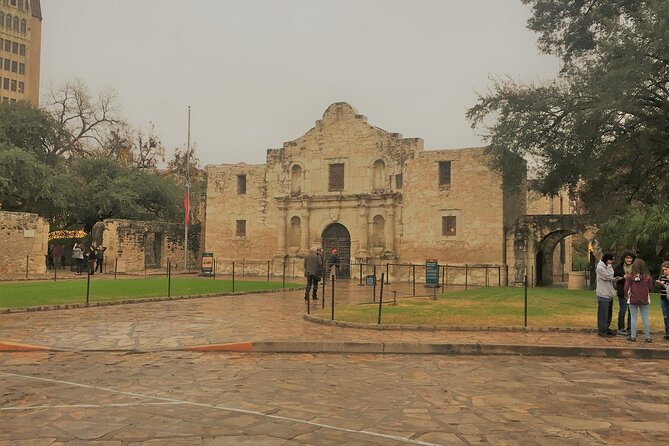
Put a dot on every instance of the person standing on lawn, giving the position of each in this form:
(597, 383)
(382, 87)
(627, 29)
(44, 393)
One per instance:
(313, 267)
(622, 270)
(663, 282)
(605, 292)
(638, 287)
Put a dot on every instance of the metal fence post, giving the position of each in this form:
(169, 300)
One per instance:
(115, 266)
(333, 295)
(413, 268)
(233, 276)
(374, 289)
(27, 259)
(466, 276)
(525, 300)
(380, 300)
(268, 270)
(169, 279)
(283, 277)
(88, 284)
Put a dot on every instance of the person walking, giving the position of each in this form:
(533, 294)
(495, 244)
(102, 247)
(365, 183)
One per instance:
(91, 257)
(622, 270)
(605, 292)
(99, 258)
(57, 254)
(663, 282)
(334, 263)
(313, 266)
(638, 287)
(78, 258)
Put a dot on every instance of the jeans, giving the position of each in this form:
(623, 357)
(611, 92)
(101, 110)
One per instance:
(643, 309)
(311, 280)
(623, 310)
(604, 312)
(665, 315)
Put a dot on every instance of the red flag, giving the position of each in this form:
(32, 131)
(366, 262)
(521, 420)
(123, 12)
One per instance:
(187, 205)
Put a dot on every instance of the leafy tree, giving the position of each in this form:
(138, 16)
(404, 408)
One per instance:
(601, 128)
(31, 129)
(108, 189)
(28, 184)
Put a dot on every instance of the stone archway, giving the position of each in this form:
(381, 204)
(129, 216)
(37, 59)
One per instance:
(337, 236)
(535, 238)
(545, 249)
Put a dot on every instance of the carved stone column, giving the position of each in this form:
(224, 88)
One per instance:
(281, 230)
(390, 239)
(363, 230)
(304, 243)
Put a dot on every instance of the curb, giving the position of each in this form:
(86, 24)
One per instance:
(394, 348)
(134, 301)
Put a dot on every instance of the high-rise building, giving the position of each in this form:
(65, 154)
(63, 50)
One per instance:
(20, 48)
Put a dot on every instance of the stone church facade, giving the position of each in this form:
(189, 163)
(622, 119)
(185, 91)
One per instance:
(375, 196)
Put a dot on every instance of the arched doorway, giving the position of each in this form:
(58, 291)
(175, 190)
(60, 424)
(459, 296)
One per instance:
(337, 236)
(550, 264)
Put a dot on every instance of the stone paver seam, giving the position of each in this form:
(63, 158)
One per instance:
(228, 409)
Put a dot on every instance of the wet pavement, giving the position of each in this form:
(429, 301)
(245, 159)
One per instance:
(118, 381)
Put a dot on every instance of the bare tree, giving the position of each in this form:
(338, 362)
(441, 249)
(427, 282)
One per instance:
(88, 118)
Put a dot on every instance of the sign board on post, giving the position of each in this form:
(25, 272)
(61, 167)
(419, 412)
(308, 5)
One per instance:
(432, 273)
(207, 263)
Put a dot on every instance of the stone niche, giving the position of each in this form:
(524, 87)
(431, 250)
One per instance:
(137, 246)
(24, 238)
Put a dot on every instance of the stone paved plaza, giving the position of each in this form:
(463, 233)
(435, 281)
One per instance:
(118, 383)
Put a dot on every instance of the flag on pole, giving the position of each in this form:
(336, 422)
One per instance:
(187, 204)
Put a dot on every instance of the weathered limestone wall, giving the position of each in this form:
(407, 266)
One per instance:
(391, 202)
(145, 244)
(474, 197)
(23, 236)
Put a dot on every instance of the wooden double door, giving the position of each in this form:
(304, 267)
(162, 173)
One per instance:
(337, 236)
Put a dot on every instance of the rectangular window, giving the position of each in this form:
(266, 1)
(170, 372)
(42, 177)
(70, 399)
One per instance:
(448, 228)
(6, 66)
(22, 68)
(14, 86)
(21, 87)
(336, 178)
(15, 66)
(15, 47)
(444, 173)
(5, 83)
(8, 45)
(398, 181)
(22, 50)
(241, 184)
(241, 228)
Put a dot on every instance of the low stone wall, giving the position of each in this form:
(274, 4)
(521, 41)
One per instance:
(136, 246)
(24, 238)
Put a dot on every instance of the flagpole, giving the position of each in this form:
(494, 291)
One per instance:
(187, 210)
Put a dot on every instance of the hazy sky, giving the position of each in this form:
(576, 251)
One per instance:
(257, 73)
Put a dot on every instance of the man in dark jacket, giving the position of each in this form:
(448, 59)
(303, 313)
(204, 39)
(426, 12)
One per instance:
(620, 271)
(313, 267)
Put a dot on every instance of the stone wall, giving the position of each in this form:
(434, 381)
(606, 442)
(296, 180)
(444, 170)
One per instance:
(136, 246)
(24, 238)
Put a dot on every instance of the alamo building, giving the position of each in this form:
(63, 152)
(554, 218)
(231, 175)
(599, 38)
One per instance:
(380, 198)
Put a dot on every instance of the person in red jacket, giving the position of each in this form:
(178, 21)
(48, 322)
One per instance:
(638, 286)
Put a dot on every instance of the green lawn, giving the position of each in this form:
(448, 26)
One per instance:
(495, 307)
(36, 293)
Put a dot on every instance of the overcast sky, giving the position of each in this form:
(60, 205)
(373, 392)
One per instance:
(257, 73)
